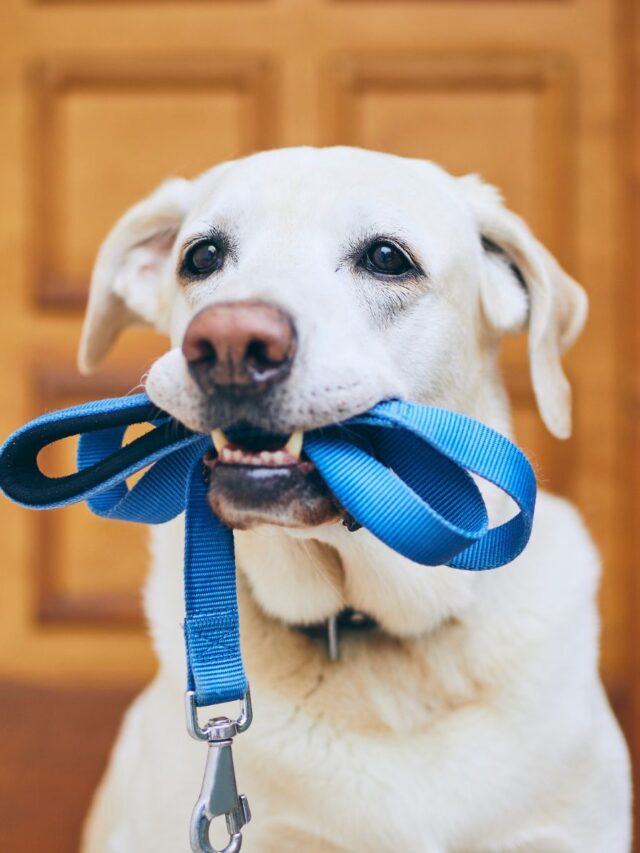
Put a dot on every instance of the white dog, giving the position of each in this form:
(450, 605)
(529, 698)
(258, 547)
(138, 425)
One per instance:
(299, 287)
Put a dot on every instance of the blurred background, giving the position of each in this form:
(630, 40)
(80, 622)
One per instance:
(101, 100)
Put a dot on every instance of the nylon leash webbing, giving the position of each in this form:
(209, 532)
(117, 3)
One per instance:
(401, 470)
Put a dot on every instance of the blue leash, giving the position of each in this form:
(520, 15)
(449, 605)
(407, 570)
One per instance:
(400, 470)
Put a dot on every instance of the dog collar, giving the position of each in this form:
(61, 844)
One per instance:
(400, 470)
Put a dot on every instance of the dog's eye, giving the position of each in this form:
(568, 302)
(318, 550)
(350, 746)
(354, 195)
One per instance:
(203, 258)
(386, 258)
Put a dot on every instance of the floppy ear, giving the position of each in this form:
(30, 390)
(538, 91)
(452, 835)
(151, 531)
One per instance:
(131, 275)
(524, 286)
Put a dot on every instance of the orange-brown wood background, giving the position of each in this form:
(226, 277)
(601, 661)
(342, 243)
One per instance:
(100, 100)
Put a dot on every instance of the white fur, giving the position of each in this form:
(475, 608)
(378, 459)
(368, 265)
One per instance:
(477, 722)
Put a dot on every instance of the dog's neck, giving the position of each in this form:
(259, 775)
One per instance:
(416, 666)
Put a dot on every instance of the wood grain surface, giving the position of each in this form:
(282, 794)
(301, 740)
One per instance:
(100, 100)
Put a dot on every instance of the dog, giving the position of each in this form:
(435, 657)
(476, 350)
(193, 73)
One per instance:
(299, 287)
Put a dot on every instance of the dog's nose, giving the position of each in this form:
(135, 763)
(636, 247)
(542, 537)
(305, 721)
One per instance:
(239, 346)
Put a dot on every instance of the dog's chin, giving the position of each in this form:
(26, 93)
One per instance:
(247, 496)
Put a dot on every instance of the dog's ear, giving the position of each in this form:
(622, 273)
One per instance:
(131, 276)
(524, 286)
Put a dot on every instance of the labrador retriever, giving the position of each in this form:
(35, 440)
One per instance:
(299, 287)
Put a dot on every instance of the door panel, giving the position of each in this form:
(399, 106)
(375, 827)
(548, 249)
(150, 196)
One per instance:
(101, 134)
(507, 119)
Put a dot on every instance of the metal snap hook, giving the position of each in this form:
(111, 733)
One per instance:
(219, 794)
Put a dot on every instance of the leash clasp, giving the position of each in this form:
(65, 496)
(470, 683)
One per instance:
(219, 795)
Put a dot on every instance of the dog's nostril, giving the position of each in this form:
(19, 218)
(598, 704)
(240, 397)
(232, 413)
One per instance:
(257, 354)
(207, 353)
(199, 349)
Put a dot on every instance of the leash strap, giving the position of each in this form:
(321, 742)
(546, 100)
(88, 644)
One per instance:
(401, 470)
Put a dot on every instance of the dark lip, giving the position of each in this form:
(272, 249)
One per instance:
(287, 495)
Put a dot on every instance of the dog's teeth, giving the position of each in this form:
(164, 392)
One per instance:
(219, 439)
(230, 454)
(294, 445)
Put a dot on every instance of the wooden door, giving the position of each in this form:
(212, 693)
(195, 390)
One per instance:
(103, 99)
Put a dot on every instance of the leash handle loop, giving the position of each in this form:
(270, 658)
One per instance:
(401, 471)
(101, 425)
(485, 452)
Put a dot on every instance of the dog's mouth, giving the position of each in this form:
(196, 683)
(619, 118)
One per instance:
(250, 446)
(258, 477)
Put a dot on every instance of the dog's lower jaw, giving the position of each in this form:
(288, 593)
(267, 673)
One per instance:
(294, 515)
(244, 497)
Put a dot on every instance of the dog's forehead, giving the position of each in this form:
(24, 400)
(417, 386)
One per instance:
(329, 189)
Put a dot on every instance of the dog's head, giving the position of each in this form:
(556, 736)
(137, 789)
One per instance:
(299, 287)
